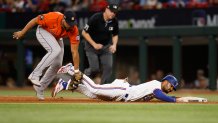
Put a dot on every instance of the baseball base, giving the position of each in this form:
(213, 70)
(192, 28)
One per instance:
(192, 99)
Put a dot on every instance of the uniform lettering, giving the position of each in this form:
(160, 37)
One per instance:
(136, 24)
(212, 20)
(86, 28)
(41, 17)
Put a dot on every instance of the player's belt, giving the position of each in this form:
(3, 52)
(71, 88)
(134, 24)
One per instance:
(124, 98)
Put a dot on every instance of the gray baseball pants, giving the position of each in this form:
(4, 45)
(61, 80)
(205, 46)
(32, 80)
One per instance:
(53, 58)
(106, 60)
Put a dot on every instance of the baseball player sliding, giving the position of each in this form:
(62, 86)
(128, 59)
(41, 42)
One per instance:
(52, 28)
(120, 89)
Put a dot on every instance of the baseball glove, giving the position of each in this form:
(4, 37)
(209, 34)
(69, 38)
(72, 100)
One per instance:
(76, 78)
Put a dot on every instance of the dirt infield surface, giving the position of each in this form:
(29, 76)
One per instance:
(20, 99)
(32, 99)
(25, 99)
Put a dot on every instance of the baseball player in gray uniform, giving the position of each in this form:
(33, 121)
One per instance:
(52, 28)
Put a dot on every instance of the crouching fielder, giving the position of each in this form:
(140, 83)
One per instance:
(120, 89)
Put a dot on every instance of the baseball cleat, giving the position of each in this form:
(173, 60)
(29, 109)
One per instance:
(61, 85)
(39, 93)
(65, 69)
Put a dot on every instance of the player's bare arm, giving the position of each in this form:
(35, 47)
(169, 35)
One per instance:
(113, 47)
(91, 41)
(30, 24)
(75, 55)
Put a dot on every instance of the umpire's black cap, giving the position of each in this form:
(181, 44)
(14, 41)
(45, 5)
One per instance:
(70, 18)
(113, 7)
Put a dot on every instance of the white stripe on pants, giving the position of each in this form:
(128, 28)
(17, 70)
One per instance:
(53, 58)
(108, 90)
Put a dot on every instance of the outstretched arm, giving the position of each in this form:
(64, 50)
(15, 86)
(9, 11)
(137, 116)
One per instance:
(161, 96)
(30, 24)
(75, 55)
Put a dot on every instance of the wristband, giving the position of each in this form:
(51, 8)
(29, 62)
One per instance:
(76, 71)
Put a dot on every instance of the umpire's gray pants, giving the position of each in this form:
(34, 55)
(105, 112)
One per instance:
(106, 60)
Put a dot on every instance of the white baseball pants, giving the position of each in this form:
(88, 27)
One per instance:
(113, 91)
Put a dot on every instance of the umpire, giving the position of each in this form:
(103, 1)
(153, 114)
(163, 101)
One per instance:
(101, 35)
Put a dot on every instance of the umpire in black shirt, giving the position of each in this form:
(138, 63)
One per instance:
(101, 35)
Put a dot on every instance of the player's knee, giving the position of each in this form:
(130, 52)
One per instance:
(57, 63)
(56, 51)
(55, 66)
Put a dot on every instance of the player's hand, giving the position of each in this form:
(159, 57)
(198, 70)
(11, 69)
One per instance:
(17, 35)
(179, 99)
(112, 48)
(98, 46)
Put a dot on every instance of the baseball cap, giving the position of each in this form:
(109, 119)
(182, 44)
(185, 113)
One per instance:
(172, 80)
(113, 7)
(70, 18)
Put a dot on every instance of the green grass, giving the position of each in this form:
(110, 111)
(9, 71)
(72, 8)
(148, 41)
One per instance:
(108, 113)
(105, 112)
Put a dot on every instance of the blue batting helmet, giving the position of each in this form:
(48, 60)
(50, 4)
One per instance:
(172, 80)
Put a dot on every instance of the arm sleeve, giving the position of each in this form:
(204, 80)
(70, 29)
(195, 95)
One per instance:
(88, 27)
(161, 96)
(41, 19)
(116, 28)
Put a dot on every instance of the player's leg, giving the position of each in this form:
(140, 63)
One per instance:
(53, 69)
(53, 50)
(90, 89)
(84, 90)
(107, 64)
(50, 73)
(93, 64)
(63, 85)
(107, 90)
(63, 79)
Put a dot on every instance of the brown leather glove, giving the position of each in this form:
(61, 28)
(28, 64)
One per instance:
(77, 77)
